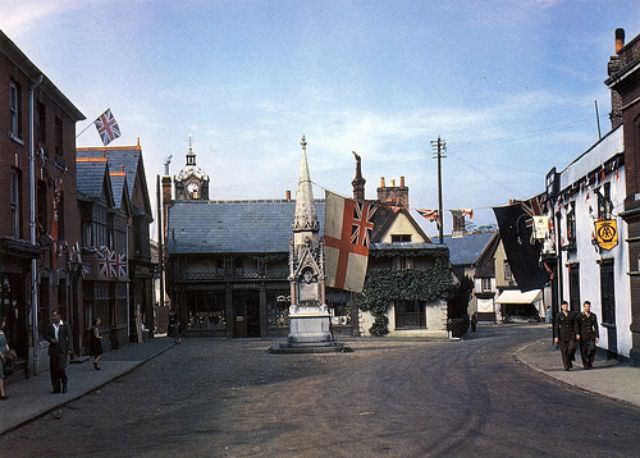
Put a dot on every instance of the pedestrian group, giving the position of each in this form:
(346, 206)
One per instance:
(576, 328)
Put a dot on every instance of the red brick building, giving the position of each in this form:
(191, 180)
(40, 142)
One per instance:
(35, 116)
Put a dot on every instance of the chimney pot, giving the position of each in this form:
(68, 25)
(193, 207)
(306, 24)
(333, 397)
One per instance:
(393, 182)
(382, 184)
(619, 40)
(287, 195)
(402, 182)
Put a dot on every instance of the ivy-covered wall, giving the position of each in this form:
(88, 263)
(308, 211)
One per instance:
(383, 286)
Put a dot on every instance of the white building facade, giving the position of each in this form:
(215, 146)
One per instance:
(589, 189)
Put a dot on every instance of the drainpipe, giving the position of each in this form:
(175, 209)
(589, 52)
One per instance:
(32, 225)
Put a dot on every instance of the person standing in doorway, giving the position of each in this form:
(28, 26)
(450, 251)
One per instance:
(589, 335)
(59, 337)
(567, 333)
(96, 343)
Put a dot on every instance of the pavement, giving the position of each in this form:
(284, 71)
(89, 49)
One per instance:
(609, 377)
(31, 398)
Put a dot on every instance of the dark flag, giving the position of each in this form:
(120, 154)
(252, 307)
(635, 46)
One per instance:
(523, 252)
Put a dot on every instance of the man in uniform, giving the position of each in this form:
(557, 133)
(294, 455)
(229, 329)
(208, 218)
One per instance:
(59, 337)
(588, 335)
(567, 333)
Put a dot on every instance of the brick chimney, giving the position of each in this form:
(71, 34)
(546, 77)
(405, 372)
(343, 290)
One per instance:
(615, 64)
(166, 202)
(394, 195)
(287, 196)
(458, 224)
(358, 181)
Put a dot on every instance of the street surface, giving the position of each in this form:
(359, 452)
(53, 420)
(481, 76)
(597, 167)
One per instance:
(391, 398)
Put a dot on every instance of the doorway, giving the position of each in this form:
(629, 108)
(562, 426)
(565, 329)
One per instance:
(246, 314)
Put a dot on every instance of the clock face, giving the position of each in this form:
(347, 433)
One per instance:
(193, 187)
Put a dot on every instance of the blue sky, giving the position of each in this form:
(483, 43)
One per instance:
(509, 84)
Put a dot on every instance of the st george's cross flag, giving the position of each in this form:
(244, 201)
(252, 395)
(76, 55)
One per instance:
(347, 236)
(107, 127)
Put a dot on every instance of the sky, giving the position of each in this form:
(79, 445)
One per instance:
(510, 86)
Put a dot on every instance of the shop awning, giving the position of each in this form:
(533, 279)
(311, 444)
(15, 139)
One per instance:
(515, 296)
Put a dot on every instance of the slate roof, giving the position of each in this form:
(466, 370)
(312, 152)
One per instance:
(466, 250)
(118, 185)
(255, 226)
(259, 226)
(118, 159)
(90, 178)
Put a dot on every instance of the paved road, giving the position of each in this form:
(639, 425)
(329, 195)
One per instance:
(388, 398)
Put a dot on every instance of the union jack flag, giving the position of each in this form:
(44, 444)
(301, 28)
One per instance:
(107, 127)
(118, 266)
(362, 226)
(104, 255)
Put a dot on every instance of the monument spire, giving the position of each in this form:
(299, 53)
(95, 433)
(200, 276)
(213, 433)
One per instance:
(306, 218)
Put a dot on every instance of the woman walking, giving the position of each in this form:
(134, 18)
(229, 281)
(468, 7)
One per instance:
(96, 343)
(5, 353)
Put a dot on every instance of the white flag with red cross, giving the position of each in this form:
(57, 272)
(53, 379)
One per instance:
(347, 236)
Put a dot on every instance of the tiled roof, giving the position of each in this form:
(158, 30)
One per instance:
(258, 226)
(121, 158)
(118, 184)
(90, 178)
(232, 226)
(466, 250)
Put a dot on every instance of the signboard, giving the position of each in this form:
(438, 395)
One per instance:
(607, 234)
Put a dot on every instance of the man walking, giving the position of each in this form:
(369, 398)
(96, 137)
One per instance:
(567, 333)
(588, 335)
(59, 337)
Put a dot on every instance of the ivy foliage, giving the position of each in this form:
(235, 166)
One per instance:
(385, 285)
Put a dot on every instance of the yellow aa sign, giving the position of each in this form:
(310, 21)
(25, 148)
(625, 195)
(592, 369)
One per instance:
(607, 234)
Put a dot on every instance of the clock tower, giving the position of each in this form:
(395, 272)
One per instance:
(192, 183)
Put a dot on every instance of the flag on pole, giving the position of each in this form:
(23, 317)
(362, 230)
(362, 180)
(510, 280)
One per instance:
(347, 236)
(107, 127)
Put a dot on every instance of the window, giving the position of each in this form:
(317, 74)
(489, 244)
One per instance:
(604, 201)
(41, 128)
(15, 204)
(607, 295)
(15, 110)
(58, 149)
(574, 287)
(60, 208)
(42, 207)
(571, 225)
(100, 232)
(398, 238)
(403, 262)
(485, 284)
(507, 271)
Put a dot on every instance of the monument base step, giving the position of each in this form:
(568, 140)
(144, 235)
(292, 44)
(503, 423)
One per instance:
(309, 347)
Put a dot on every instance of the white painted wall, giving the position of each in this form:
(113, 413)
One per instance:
(587, 256)
(436, 320)
(402, 225)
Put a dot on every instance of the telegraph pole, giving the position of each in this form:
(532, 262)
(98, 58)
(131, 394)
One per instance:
(439, 149)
